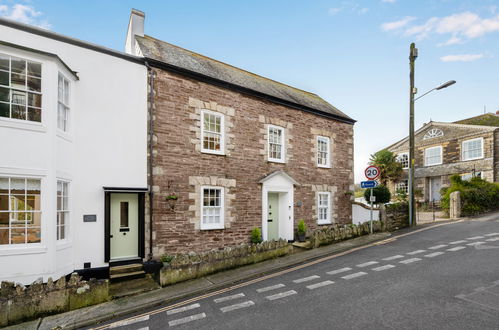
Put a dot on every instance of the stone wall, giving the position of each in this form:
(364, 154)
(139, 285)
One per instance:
(19, 303)
(395, 216)
(193, 265)
(334, 233)
(180, 166)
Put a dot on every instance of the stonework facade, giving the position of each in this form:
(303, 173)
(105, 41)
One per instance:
(452, 139)
(182, 168)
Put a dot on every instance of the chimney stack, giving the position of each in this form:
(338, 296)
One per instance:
(135, 28)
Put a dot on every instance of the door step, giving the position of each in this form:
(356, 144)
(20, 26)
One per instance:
(132, 287)
(126, 272)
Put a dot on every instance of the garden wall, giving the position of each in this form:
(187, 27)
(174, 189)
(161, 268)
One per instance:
(331, 234)
(395, 216)
(19, 303)
(193, 265)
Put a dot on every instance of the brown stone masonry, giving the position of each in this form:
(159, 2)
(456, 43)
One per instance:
(181, 168)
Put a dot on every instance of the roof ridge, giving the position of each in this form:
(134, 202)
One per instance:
(463, 125)
(232, 66)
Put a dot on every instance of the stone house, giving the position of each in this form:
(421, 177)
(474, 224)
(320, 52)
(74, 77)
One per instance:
(233, 150)
(444, 149)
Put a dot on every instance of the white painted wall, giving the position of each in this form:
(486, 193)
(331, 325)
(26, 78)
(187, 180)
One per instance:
(361, 214)
(106, 146)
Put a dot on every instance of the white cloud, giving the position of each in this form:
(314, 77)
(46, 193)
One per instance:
(388, 1)
(24, 14)
(461, 58)
(334, 11)
(460, 26)
(348, 6)
(363, 11)
(397, 24)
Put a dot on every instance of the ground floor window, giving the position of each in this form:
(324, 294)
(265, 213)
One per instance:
(324, 207)
(62, 210)
(402, 187)
(20, 210)
(212, 209)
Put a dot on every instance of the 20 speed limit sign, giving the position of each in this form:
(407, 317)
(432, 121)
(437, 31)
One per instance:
(372, 172)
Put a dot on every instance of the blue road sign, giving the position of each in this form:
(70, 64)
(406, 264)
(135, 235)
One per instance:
(368, 184)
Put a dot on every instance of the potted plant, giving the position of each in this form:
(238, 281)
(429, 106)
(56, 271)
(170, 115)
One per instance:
(301, 231)
(256, 235)
(166, 259)
(152, 266)
(172, 200)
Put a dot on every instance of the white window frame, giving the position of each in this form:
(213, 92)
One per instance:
(66, 212)
(399, 156)
(283, 144)
(426, 158)
(64, 104)
(404, 184)
(327, 140)
(328, 208)
(471, 140)
(211, 226)
(222, 132)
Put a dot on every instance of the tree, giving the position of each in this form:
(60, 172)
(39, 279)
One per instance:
(390, 169)
(381, 193)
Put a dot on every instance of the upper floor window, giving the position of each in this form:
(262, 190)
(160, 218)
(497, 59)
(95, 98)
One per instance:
(323, 151)
(403, 159)
(62, 210)
(63, 103)
(20, 211)
(276, 143)
(472, 149)
(212, 132)
(433, 156)
(324, 207)
(212, 209)
(20, 89)
(433, 133)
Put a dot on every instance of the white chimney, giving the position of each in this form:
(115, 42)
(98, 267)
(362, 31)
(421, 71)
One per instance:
(135, 28)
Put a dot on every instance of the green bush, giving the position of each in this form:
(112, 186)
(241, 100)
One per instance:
(256, 235)
(166, 258)
(477, 195)
(381, 193)
(302, 228)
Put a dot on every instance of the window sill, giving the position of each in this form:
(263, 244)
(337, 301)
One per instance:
(324, 223)
(22, 249)
(211, 152)
(276, 161)
(212, 228)
(22, 125)
(324, 166)
(467, 160)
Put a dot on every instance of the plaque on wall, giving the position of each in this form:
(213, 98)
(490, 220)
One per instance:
(89, 218)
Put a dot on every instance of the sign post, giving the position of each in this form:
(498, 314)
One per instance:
(372, 173)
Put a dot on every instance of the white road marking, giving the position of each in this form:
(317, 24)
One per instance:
(434, 254)
(457, 248)
(458, 242)
(144, 328)
(416, 252)
(369, 263)
(475, 243)
(182, 309)
(408, 261)
(337, 271)
(385, 267)
(270, 288)
(437, 247)
(281, 295)
(306, 279)
(319, 285)
(492, 234)
(475, 237)
(398, 256)
(492, 239)
(128, 322)
(227, 298)
(237, 306)
(354, 275)
(187, 319)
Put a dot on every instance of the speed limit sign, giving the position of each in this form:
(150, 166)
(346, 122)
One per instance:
(372, 172)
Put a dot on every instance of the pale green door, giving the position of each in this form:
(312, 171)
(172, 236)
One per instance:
(124, 226)
(273, 217)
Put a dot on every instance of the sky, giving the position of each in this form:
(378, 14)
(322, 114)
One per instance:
(354, 54)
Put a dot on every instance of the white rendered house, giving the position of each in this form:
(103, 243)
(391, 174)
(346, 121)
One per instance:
(73, 146)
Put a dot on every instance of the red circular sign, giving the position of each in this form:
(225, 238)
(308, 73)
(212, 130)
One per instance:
(372, 172)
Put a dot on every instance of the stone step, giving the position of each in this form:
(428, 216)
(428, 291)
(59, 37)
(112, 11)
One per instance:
(132, 287)
(122, 269)
(127, 276)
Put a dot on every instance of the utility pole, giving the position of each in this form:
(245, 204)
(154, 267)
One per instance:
(413, 54)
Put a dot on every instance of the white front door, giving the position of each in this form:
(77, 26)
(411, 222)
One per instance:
(435, 186)
(124, 226)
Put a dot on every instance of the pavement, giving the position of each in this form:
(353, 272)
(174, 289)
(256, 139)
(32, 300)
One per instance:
(124, 309)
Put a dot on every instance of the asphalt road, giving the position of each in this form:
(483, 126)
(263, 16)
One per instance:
(443, 278)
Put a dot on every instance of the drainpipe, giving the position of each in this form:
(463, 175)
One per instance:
(150, 102)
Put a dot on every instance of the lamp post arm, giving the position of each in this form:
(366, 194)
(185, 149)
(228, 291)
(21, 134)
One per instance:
(428, 92)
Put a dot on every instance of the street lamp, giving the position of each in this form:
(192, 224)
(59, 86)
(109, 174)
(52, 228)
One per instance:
(413, 54)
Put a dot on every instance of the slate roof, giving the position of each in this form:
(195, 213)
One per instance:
(187, 60)
(487, 119)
